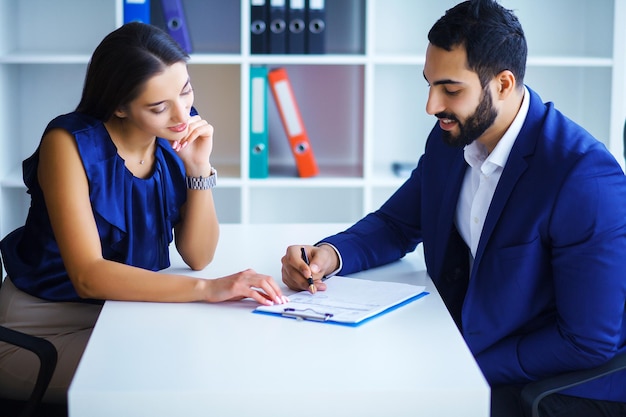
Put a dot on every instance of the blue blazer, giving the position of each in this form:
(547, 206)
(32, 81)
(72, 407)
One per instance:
(547, 290)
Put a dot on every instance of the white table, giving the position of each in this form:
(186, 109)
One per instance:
(197, 359)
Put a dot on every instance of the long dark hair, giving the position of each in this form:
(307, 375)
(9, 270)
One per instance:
(122, 63)
(492, 36)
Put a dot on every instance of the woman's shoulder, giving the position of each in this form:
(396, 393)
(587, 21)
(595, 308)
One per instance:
(89, 135)
(74, 122)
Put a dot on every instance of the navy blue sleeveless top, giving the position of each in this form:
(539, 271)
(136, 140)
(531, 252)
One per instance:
(134, 216)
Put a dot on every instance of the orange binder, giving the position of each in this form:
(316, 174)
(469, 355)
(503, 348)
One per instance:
(292, 122)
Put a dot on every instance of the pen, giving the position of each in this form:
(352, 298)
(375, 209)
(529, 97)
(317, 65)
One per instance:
(305, 258)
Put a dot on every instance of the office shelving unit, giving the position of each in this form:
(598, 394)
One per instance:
(362, 102)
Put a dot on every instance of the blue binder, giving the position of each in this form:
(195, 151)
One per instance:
(259, 151)
(176, 23)
(316, 27)
(296, 33)
(278, 27)
(137, 11)
(259, 21)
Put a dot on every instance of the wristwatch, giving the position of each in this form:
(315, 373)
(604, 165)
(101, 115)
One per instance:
(202, 183)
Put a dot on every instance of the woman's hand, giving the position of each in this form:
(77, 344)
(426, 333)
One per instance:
(244, 284)
(196, 147)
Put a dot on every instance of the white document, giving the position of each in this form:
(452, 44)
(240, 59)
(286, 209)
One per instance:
(346, 300)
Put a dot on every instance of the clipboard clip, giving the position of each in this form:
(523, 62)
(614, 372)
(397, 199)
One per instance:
(306, 314)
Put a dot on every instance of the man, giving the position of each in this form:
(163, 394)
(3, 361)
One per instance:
(522, 214)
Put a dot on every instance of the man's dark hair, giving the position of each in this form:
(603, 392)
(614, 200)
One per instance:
(492, 36)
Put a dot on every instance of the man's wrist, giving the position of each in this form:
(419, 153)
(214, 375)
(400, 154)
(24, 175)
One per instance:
(338, 262)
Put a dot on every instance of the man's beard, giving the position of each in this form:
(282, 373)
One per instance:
(474, 126)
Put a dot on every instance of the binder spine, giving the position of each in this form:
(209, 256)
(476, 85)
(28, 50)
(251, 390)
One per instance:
(259, 38)
(277, 27)
(292, 122)
(176, 23)
(316, 26)
(296, 27)
(259, 151)
(137, 11)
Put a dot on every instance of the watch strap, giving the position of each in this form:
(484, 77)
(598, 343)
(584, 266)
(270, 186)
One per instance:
(202, 183)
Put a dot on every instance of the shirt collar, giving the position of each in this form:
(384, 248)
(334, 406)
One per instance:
(476, 154)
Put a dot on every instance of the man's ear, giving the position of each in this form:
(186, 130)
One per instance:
(506, 83)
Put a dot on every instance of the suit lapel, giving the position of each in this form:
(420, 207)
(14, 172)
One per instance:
(453, 256)
(516, 165)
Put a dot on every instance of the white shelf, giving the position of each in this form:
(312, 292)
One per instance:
(305, 60)
(362, 102)
(49, 58)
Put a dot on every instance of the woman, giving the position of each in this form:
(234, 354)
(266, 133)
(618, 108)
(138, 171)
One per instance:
(112, 184)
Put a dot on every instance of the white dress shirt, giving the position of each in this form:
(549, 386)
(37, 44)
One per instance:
(481, 179)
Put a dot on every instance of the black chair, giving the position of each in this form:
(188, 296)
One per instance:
(534, 392)
(47, 354)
